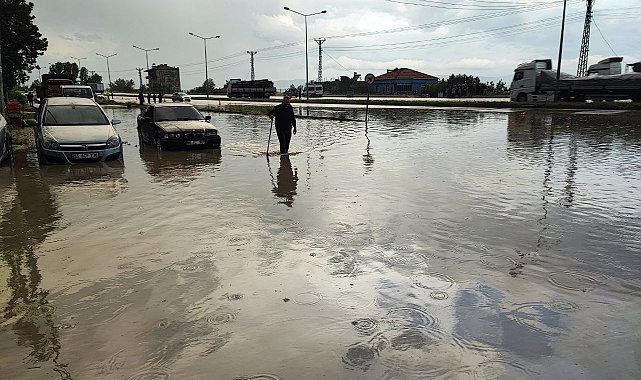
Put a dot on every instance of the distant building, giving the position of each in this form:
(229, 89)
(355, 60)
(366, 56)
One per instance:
(401, 81)
(163, 78)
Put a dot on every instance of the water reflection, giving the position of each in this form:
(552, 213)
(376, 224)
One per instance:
(286, 182)
(368, 159)
(179, 166)
(32, 216)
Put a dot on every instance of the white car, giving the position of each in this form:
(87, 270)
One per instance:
(73, 130)
(180, 97)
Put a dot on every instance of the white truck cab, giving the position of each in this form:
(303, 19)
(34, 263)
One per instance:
(524, 82)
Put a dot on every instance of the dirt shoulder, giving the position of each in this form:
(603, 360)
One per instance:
(23, 138)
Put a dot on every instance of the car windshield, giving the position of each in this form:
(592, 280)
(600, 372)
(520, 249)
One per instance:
(176, 114)
(74, 115)
(78, 92)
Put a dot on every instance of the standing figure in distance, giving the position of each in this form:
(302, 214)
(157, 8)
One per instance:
(285, 121)
(141, 97)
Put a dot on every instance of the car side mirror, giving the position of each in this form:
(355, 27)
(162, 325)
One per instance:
(115, 122)
(31, 122)
(208, 118)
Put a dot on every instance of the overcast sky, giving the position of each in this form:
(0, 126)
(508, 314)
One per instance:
(486, 38)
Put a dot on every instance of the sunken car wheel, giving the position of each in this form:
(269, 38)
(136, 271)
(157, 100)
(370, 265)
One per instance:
(157, 143)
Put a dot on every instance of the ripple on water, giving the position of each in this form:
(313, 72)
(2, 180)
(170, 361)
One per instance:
(343, 265)
(261, 376)
(497, 261)
(355, 300)
(151, 374)
(576, 281)
(410, 317)
(438, 295)
(536, 317)
(359, 356)
(499, 367)
(233, 296)
(365, 326)
(403, 256)
(433, 281)
(237, 241)
(307, 298)
(221, 318)
(563, 305)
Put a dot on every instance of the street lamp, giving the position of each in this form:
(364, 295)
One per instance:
(108, 72)
(78, 59)
(306, 55)
(206, 73)
(146, 51)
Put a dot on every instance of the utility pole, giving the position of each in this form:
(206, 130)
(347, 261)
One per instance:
(558, 64)
(1, 81)
(320, 41)
(585, 42)
(108, 71)
(251, 54)
(140, 76)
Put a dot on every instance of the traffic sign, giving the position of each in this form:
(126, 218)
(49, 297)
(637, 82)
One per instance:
(369, 78)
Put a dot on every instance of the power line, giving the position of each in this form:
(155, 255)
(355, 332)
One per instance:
(602, 36)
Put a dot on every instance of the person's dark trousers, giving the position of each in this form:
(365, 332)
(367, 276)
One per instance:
(284, 136)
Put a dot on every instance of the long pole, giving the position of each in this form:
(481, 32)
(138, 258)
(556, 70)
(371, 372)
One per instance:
(558, 64)
(206, 70)
(146, 53)
(306, 64)
(306, 53)
(1, 79)
(108, 71)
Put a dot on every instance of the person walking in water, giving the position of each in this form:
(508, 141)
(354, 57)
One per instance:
(141, 97)
(285, 121)
(148, 97)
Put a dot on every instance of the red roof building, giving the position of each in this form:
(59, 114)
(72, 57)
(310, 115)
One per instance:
(402, 81)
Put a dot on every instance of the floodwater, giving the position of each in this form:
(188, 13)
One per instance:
(432, 244)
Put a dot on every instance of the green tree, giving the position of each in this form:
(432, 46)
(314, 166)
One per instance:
(208, 87)
(94, 78)
(36, 83)
(122, 85)
(21, 41)
(65, 68)
(83, 75)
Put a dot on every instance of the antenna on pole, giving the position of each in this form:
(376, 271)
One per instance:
(140, 76)
(320, 58)
(585, 42)
(251, 59)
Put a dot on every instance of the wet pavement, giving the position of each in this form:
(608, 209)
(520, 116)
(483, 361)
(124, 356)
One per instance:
(451, 244)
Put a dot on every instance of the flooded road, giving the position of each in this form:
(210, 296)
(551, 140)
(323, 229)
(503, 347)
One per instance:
(431, 244)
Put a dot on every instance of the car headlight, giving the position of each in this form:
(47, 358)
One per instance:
(113, 141)
(49, 143)
(173, 135)
(211, 133)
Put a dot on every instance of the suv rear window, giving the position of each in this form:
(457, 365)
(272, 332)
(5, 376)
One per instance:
(176, 113)
(74, 115)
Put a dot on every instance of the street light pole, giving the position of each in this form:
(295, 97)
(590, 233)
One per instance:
(306, 54)
(206, 71)
(146, 51)
(108, 71)
(78, 59)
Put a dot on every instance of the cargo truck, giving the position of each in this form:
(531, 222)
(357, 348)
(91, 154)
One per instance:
(51, 83)
(536, 81)
(261, 88)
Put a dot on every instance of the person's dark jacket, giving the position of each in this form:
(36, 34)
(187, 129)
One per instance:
(284, 114)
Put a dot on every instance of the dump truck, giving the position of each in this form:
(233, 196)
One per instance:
(536, 81)
(261, 88)
(50, 86)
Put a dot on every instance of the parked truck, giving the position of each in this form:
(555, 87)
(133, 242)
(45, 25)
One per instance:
(536, 81)
(51, 83)
(261, 88)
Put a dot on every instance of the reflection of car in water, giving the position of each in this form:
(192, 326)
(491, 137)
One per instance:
(5, 141)
(75, 130)
(176, 126)
(179, 166)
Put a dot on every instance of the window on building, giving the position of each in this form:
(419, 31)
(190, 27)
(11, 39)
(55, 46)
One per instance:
(403, 87)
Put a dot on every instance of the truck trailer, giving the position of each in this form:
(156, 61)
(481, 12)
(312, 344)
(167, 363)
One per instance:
(261, 88)
(51, 83)
(536, 81)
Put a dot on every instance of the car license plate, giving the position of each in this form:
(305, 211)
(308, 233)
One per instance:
(82, 156)
(196, 142)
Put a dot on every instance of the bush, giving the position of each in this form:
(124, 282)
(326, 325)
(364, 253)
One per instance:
(17, 94)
